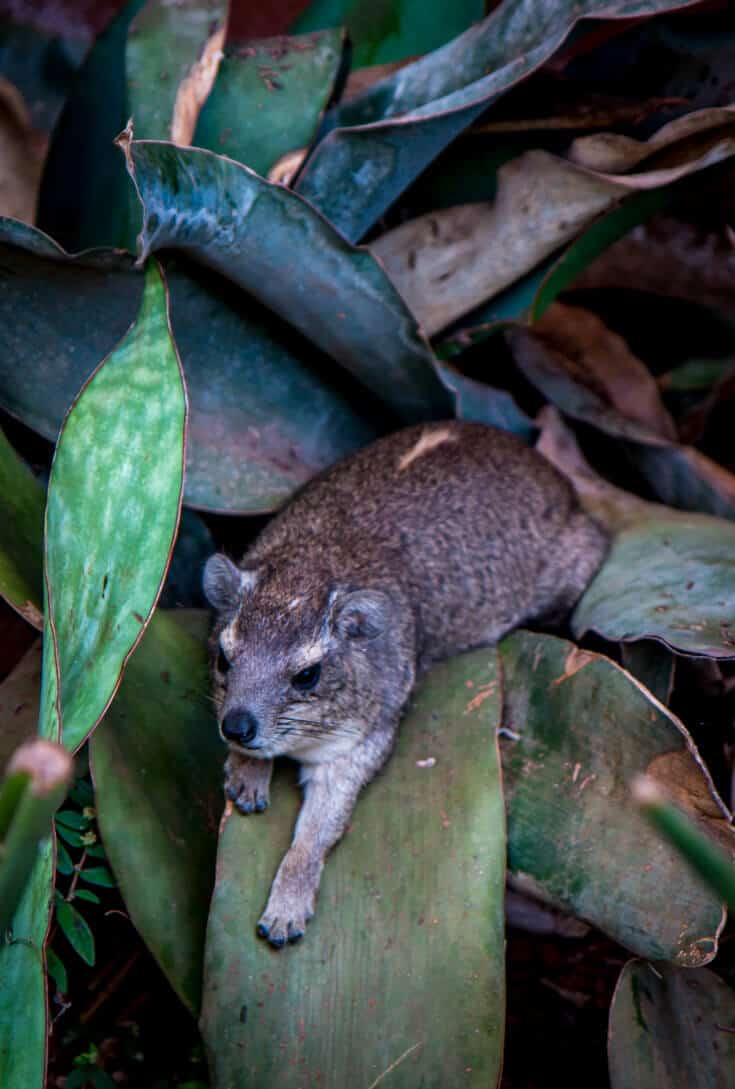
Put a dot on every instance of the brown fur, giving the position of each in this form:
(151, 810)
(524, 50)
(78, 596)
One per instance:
(431, 541)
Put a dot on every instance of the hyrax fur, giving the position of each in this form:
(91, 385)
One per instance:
(431, 541)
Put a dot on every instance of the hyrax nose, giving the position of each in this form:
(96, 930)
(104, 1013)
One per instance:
(239, 727)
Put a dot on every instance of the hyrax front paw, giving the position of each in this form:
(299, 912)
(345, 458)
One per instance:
(284, 919)
(247, 782)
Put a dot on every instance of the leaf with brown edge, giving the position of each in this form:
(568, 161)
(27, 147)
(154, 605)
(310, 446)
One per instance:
(577, 729)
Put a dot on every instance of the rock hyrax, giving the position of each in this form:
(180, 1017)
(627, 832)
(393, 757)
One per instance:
(431, 541)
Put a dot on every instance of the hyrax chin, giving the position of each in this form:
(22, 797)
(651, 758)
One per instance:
(429, 542)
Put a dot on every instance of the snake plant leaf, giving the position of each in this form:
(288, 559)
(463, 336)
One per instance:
(400, 975)
(271, 243)
(112, 513)
(21, 535)
(380, 141)
(269, 97)
(157, 764)
(23, 1039)
(577, 730)
(679, 475)
(669, 1027)
(486, 404)
(447, 262)
(389, 31)
(171, 60)
(242, 368)
(154, 62)
(669, 577)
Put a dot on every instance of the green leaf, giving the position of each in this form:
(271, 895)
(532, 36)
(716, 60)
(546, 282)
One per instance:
(85, 894)
(390, 30)
(64, 863)
(381, 140)
(272, 244)
(107, 487)
(152, 62)
(98, 875)
(69, 818)
(161, 843)
(21, 534)
(82, 793)
(670, 1028)
(269, 97)
(23, 1040)
(577, 730)
(72, 838)
(668, 577)
(486, 404)
(57, 971)
(76, 930)
(419, 876)
(242, 368)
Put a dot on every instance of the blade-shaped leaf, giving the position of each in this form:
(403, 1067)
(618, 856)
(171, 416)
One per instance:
(447, 262)
(577, 731)
(419, 876)
(111, 517)
(154, 62)
(383, 139)
(76, 930)
(116, 485)
(289, 416)
(21, 535)
(389, 31)
(669, 577)
(271, 243)
(161, 843)
(269, 97)
(670, 1028)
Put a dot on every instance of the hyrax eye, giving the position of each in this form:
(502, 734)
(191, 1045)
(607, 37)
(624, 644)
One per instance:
(307, 678)
(223, 663)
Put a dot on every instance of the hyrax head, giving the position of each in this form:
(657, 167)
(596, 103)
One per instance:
(298, 666)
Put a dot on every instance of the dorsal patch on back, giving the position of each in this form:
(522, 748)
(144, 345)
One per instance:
(428, 441)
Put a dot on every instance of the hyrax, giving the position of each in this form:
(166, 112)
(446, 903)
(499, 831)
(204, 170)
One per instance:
(431, 541)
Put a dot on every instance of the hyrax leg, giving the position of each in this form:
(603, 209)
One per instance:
(247, 782)
(330, 793)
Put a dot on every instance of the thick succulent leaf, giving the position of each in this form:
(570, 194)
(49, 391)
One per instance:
(486, 404)
(385, 137)
(669, 577)
(269, 97)
(577, 730)
(670, 1028)
(161, 843)
(235, 460)
(23, 1039)
(419, 876)
(194, 546)
(112, 513)
(382, 33)
(576, 374)
(41, 65)
(447, 262)
(21, 535)
(171, 60)
(271, 243)
(155, 62)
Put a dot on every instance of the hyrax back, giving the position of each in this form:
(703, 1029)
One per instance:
(433, 540)
(479, 531)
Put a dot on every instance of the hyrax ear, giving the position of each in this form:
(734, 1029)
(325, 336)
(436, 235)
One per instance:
(224, 583)
(360, 614)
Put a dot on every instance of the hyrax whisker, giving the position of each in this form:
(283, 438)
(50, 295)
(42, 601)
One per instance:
(434, 540)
